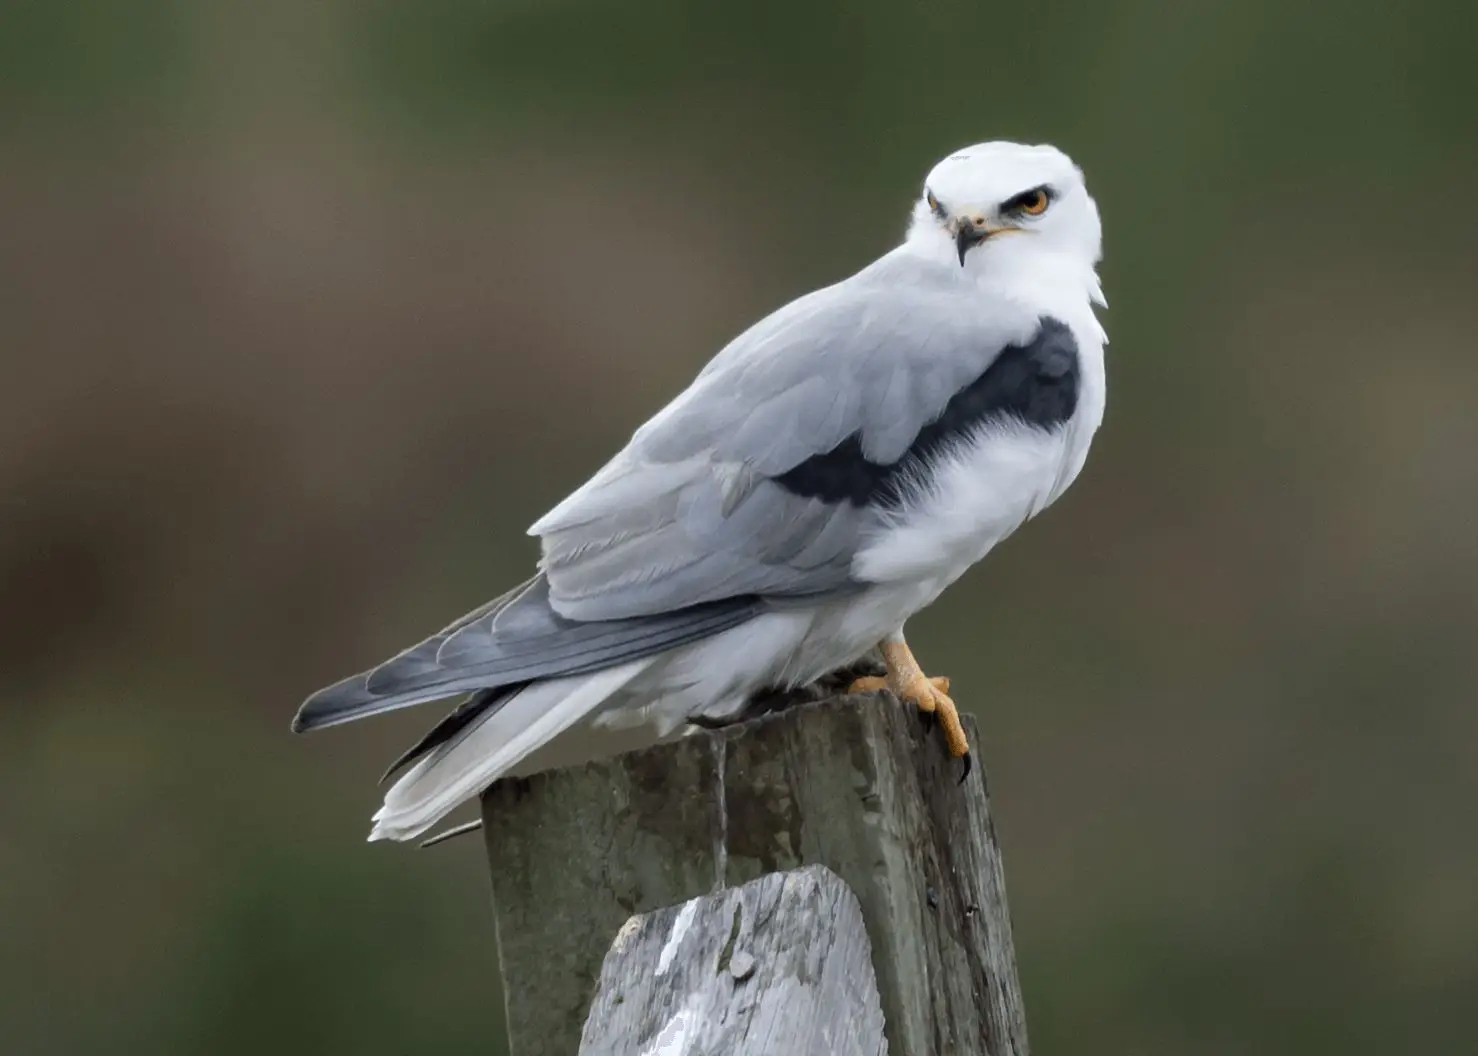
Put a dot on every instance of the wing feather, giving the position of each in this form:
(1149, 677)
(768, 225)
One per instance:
(691, 511)
(517, 638)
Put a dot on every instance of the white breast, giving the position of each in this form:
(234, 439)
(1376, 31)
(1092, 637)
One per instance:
(985, 488)
(974, 497)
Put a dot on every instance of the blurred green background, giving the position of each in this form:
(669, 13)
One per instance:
(308, 309)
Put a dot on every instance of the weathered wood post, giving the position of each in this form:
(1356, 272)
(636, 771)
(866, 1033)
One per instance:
(852, 783)
(780, 965)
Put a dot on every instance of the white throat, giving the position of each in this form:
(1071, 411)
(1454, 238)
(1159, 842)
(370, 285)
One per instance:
(1047, 279)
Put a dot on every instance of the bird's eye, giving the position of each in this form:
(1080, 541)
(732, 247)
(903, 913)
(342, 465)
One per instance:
(933, 202)
(1033, 202)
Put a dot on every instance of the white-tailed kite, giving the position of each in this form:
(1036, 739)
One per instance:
(825, 477)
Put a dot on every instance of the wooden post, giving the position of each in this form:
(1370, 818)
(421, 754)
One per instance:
(854, 783)
(779, 966)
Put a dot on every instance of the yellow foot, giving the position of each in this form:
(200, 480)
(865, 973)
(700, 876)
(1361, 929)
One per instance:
(873, 683)
(907, 682)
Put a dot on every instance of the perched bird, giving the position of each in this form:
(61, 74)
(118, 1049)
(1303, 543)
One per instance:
(825, 477)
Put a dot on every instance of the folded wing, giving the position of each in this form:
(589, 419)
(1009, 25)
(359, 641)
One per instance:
(717, 495)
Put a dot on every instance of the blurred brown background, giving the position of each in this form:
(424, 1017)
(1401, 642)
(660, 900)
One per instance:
(307, 310)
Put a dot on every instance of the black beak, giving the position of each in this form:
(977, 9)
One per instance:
(967, 237)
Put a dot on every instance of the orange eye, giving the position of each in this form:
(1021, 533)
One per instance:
(933, 202)
(1033, 203)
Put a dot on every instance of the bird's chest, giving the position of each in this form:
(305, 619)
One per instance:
(983, 489)
(976, 496)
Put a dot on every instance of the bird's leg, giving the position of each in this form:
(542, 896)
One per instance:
(907, 681)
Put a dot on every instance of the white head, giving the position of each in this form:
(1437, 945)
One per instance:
(1000, 209)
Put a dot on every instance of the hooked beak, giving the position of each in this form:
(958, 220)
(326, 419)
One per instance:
(969, 233)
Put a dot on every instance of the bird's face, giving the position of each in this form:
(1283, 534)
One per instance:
(1003, 201)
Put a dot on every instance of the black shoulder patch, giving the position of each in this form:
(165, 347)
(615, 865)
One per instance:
(1035, 383)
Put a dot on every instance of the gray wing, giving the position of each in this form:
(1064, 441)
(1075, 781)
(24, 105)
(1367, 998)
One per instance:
(509, 641)
(713, 498)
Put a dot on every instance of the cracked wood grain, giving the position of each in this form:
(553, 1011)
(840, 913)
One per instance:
(778, 966)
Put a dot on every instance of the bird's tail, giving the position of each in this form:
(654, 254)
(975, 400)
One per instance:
(517, 736)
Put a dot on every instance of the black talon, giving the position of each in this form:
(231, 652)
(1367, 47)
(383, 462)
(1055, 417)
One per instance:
(928, 718)
(966, 772)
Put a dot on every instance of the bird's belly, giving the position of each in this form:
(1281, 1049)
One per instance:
(971, 500)
(783, 648)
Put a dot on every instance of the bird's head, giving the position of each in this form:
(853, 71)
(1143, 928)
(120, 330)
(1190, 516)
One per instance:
(996, 205)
